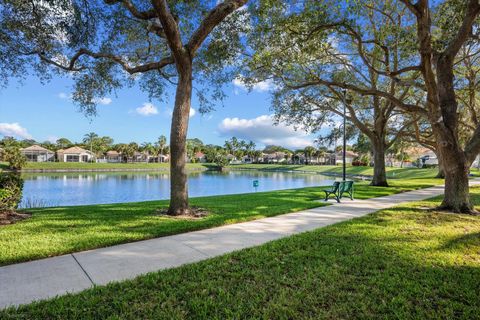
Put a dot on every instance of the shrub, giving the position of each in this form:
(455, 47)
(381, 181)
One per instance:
(16, 160)
(362, 160)
(11, 186)
(221, 161)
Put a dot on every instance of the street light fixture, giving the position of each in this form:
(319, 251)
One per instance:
(346, 101)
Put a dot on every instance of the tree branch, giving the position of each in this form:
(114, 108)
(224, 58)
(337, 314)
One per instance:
(472, 148)
(362, 91)
(214, 17)
(170, 27)
(144, 15)
(131, 70)
(473, 9)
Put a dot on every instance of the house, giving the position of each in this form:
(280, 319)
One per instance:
(140, 157)
(349, 156)
(299, 158)
(416, 152)
(113, 156)
(37, 153)
(158, 158)
(275, 157)
(1, 154)
(163, 158)
(232, 159)
(428, 159)
(247, 159)
(74, 154)
(200, 157)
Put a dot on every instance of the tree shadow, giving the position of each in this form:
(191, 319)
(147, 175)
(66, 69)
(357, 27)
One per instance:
(356, 269)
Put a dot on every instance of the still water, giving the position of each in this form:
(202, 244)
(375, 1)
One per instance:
(59, 189)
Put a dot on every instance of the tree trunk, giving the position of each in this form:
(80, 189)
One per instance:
(441, 169)
(178, 138)
(455, 163)
(456, 197)
(379, 173)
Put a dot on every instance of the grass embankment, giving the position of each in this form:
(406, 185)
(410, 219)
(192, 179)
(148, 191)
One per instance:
(402, 263)
(392, 172)
(60, 230)
(79, 166)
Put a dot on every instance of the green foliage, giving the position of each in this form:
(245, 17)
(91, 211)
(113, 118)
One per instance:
(221, 160)
(363, 145)
(161, 145)
(362, 160)
(11, 186)
(63, 143)
(16, 160)
(36, 35)
(272, 148)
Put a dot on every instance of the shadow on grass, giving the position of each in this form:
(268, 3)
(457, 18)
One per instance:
(59, 230)
(379, 266)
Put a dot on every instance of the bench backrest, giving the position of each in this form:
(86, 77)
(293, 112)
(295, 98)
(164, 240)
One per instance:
(348, 186)
(335, 186)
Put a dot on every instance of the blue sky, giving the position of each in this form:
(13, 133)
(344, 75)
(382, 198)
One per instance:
(45, 112)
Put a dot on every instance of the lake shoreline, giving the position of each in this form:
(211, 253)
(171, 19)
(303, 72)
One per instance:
(323, 173)
(109, 170)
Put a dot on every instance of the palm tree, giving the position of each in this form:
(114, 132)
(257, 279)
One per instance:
(320, 153)
(89, 138)
(228, 146)
(256, 155)
(149, 148)
(161, 144)
(309, 151)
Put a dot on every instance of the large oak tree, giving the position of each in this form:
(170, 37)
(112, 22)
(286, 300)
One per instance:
(419, 51)
(319, 59)
(107, 44)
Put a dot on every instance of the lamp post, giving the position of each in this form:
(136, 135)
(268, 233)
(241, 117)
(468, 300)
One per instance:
(344, 155)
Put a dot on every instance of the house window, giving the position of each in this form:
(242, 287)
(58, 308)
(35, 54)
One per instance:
(84, 158)
(72, 158)
(32, 157)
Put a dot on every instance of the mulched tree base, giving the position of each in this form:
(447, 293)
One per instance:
(12, 217)
(195, 213)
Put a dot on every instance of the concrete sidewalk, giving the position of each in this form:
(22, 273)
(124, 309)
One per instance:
(26, 282)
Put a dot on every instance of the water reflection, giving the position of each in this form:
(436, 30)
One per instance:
(58, 189)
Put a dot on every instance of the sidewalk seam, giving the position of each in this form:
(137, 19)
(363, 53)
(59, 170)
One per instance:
(81, 267)
(201, 252)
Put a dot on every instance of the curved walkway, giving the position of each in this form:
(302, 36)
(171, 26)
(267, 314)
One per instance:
(41, 279)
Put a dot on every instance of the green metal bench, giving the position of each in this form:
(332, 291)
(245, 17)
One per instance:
(333, 190)
(338, 189)
(348, 189)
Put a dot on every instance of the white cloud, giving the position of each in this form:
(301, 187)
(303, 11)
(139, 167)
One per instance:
(148, 109)
(15, 130)
(192, 112)
(262, 130)
(261, 86)
(64, 96)
(104, 101)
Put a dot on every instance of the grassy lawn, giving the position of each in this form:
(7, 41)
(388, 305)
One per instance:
(103, 166)
(402, 263)
(392, 172)
(59, 230)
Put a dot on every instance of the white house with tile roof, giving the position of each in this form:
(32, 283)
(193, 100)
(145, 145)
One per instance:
(74, 154)
(37, 153)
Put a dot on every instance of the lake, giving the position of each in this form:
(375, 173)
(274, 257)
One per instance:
(60, 189)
